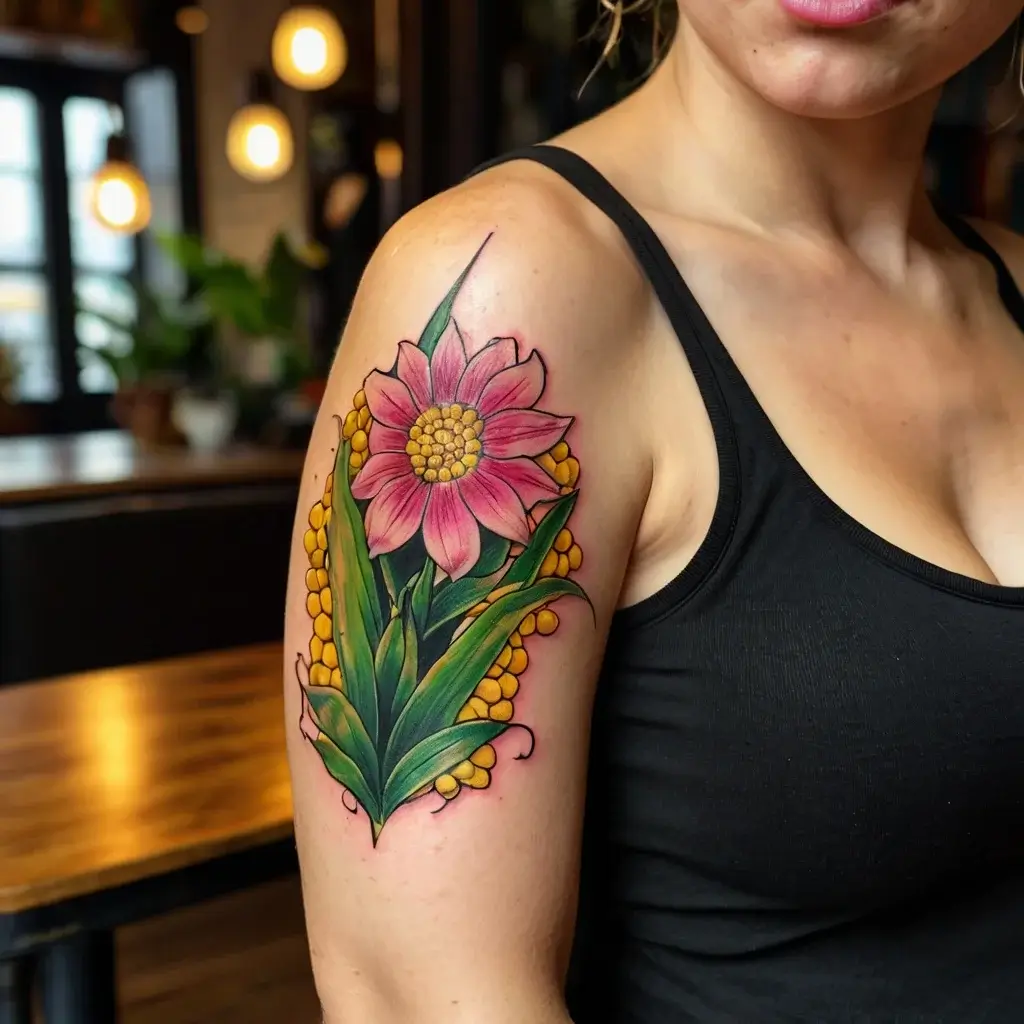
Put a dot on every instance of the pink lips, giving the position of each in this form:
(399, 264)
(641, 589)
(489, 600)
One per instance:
(838, 13)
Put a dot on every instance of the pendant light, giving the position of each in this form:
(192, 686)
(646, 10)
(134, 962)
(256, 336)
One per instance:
(119, 197)
(308, 49)
(259, 143)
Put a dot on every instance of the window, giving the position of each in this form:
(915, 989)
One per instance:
(55, 120)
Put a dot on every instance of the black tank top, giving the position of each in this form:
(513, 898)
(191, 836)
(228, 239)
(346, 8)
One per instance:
(806, 791)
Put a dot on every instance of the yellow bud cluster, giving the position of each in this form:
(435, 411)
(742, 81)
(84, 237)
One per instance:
(356, 430)
(565, 556)
(560, 464)
(323, 655)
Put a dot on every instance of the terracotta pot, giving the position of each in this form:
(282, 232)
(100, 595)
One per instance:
(145, 412)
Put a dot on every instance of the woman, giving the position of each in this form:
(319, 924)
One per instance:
(765, 524)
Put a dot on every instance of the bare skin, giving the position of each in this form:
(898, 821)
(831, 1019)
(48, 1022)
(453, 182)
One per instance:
(781, 168)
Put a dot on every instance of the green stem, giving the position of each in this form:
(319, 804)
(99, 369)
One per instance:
(388, 572)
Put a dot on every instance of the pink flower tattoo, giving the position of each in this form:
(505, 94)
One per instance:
(453, 448)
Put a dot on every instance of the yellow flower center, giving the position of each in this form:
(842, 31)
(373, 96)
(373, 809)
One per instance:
(444, 443)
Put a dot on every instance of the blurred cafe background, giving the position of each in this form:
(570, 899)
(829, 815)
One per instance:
(188, 196)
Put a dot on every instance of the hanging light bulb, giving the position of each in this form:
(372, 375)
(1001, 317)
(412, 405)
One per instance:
(119, 197)
(309, 50)
(192, 20)
(388, 159)
(259, 144)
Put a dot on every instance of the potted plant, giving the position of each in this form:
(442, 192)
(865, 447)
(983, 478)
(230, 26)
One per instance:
(258, 311)
(148, 354)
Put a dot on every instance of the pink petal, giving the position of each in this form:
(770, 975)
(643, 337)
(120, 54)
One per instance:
(389, 401)
(450, 532)
(448, 365)
(414, 372)
(526, 478)
(518, 387)
(497, 355)
(387, 439)
(515, 432)
(395, 514)
(494, 503)
(378, 471)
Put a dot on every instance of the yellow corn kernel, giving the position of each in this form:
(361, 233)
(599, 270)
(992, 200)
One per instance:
(327, 517)
(316, 516)
(502, 711)
(550, 563)
(360, 442)
(563, 541)
(509, 685)
(485, 757)
(479, 707)
(330, 655)
(313, 605)
(547, 463)
(505, 657)
(447, 786)
(562, 568)
(562, 474)
(321, 579)
(316, 649)
(467, 714)
(547, 622)
(336, 677)
(316, 559)
(528, 626)
(489, 690)
(575, 557)
(312, 582)
(464, 770)
(325, 599)
(351, 425)
(328, 490)
(560, 452)
(363, 418)
(322, 626)
(574, 470)
(309, 541)
(494, 671)
(359, 401)
(320, 675)
(480, 779)
(321, 539)
(518, 662)
(515, 640)
(355, 460)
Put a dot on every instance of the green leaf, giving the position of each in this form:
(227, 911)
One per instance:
(347, 772)
(408, 677)
(434, 756)
(493, 554)
(340, 722)
(357, 618)
(451, 680)
(525, 568)
(422, 594)
(388, 663)
(439, 321)
(453, 601)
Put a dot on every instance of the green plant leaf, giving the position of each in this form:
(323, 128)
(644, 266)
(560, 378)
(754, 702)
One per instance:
(357, 620)
(454, 600)
(388, 666)
(525, 568)
(408, 677)
(346, 771)
(439, 321)
(340, 722)
(433, 756)
(422, 594)
(451, 680)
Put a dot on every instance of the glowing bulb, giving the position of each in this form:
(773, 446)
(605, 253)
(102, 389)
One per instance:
(120, 198)
(259, 144)
(388, 159)
(309, 50)
(193, 21)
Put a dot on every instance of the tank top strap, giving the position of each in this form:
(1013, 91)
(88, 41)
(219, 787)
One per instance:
(723, 389)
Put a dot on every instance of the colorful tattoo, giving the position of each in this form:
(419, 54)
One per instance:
(436, 552)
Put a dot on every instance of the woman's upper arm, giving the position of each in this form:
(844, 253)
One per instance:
(470, 497)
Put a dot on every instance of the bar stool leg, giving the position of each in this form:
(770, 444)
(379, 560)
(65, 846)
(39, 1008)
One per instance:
(16, 991)
(78, 980)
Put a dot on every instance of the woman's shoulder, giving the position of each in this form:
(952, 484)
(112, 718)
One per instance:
(1006, 242)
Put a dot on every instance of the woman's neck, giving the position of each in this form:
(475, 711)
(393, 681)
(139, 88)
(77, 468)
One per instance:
(856, 182)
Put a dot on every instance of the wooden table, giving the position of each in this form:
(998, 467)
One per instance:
(34, 469)
(124, 794)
